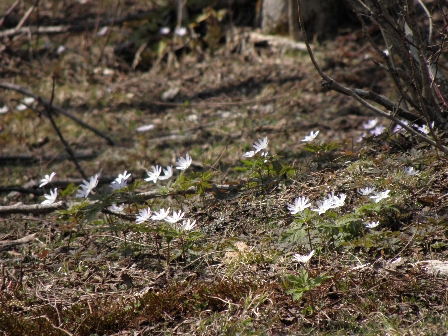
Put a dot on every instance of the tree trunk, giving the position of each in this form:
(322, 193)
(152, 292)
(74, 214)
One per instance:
(322, 18)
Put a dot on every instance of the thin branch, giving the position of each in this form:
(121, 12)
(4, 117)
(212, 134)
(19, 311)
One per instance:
(61, 137)
(332, 84)
(24, 18)
(58, 109)
(9, 11)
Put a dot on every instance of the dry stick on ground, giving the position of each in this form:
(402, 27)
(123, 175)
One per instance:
(72, 28)
(48, 208)
(6, 245)
(56, 108)
(61, 137)
(334, 85)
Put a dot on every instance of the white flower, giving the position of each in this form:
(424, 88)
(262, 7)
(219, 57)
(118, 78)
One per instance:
(249, 154)
(377, 130)
(52, 197)
(187, 225)
(143, 215)
(300, 204)
(372, 225)
(21, 107)
(410, 171)
(164, 31)
(87, 187)
(366, 191)
(4, 109)
(116, 208)
(180, 31)
(302, 258)
(370, 124)
(162, 214)
(167, 173)
(47, 179)
(425, 129)
(28, 100)
(323, 206)
(311, 137)
(61, 49)
(382, 195)
(261, 144)
(338, 201)
(397, 129)
(118, 185)
(175, 217)
(145, 128)
(102, 31)
(182, 163)
(363, 135)
(121, 181)
(154, 175)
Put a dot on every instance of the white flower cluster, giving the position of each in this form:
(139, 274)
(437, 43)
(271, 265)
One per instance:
(85, 188)
(121, 181)
(182, 164)
(262, 144)
(163, 214)
(259, 146)
(330, 202)
(50, 199)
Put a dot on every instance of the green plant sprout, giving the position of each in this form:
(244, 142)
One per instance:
(299, 285)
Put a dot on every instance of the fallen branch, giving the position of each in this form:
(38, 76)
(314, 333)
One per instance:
(277, 41)
(20, 208)
(8, 244)
(23, 240)
(36, 209)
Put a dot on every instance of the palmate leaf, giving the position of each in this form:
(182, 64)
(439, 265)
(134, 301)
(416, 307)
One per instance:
(294, 235)
(296, 294)
(346, 220)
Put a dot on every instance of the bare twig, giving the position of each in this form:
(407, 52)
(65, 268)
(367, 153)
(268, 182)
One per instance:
(61, 137)
(9, 11)
(56, 108)
(25, 17)
(333, 85)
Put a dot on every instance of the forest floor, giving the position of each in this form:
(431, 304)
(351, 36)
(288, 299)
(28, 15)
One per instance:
(85, 270)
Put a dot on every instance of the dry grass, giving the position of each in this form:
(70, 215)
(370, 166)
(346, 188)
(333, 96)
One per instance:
(105, 276)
